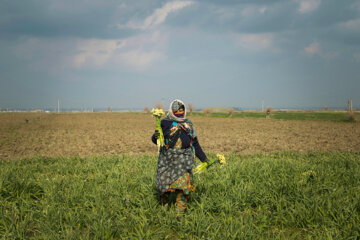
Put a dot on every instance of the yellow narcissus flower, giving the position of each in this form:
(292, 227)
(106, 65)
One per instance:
(156, 112)
(221, 158)
(203, 166)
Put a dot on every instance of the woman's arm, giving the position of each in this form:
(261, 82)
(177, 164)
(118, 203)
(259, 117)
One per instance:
(154, 137)
(165, 126)
(198, 150)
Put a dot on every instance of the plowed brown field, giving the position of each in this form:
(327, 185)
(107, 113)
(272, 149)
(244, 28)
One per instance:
(86, 134)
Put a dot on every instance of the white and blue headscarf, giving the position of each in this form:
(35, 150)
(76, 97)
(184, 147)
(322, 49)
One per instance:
(174, 106)
(183, 121)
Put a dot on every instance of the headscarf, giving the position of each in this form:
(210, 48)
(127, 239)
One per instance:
(174, 106)
(185, 123)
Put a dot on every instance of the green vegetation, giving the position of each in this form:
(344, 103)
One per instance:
(285, 195)
(235, 114)
(329, 116)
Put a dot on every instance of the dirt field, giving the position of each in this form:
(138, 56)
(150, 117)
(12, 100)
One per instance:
(85, 134)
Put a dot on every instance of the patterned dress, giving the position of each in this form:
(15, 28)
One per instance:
(176, 159)
(174, 170)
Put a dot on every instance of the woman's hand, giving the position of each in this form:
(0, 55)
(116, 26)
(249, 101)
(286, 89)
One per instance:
(208, 163)
(156, 134)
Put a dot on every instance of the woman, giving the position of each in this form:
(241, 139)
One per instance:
(176, 159)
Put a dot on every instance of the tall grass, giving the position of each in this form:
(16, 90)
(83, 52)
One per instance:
(285, 195)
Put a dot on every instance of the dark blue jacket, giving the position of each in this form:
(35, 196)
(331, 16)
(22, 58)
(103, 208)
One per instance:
(186, 140)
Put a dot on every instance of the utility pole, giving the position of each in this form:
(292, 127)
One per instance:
(58, 106)
(262, 105)
(349, 105)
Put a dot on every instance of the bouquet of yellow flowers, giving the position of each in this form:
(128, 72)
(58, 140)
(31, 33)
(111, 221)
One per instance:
(158, 113)
(203, 166)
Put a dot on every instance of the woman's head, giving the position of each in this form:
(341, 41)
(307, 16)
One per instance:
(177, 110)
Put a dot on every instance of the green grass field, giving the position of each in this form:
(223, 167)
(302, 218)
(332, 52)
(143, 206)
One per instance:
(327, 116)
(285, 195)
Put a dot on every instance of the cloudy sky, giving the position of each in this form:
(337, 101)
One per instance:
(132, 54)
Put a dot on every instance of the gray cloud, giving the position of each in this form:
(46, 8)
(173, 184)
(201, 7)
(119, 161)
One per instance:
(62, 19)
(276, 16)
(230, 52)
